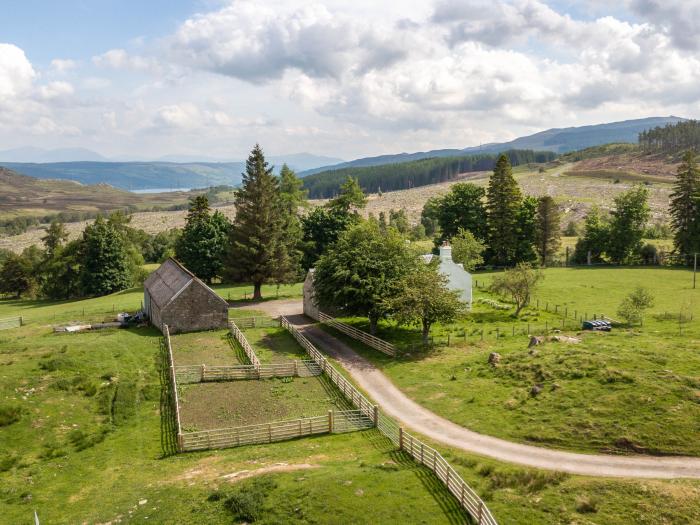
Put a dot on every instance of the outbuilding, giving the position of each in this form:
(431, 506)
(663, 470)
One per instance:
(458, 279)
(174, 296)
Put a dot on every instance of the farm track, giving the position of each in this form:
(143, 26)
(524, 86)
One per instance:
(414, 416)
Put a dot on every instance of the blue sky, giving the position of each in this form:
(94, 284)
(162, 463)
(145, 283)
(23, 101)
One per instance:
(209, 78)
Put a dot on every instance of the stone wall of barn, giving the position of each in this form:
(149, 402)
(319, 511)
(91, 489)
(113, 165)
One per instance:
(195, 308)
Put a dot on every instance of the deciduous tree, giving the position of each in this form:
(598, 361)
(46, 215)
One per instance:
(467, 249)
(629, 219)
(364, 267)
(517, 284)
(423, 299)
(103, 260)
(635, 304)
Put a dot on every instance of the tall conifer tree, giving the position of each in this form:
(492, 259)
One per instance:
(548, 235)
(257, 248)
(503, 200)
(684, 207)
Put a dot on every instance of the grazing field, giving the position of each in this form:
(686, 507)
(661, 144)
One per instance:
(273, 345)
(631, 390)
(86, 447)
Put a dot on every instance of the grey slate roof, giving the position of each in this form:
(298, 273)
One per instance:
(169, 280)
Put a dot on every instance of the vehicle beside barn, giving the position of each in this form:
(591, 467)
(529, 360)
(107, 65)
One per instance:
(174, 296)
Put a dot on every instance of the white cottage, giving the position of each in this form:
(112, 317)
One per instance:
(459, 279)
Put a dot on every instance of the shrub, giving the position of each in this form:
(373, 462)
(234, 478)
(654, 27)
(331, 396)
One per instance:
(586, 505)
(9, 414)
(57, 363)
(633, 306)
(246, 504)
(7, 461)
(82, 440)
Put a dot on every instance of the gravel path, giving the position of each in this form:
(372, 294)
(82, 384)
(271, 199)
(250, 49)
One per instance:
(399, 406)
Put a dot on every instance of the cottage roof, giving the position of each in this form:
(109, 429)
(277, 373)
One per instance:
(169, 280)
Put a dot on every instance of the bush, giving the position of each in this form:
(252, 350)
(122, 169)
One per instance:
(7, 461)
(57, 363)
(246, 504)
(82, 440)
(586, 505)
(632, 307)
(9, 414)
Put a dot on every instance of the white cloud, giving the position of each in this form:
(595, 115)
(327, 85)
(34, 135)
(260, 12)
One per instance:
(120, 59)
(16, 72)
(60, 65)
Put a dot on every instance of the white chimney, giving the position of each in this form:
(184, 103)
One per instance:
(446, 251)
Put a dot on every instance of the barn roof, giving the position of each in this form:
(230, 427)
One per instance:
(169, 280)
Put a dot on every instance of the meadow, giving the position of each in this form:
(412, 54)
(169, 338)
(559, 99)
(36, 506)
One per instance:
(631, 390)
(87, 447)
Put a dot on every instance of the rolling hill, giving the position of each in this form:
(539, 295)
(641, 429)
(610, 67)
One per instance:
(557, 140)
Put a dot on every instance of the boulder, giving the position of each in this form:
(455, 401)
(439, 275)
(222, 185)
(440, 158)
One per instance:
(535, 390)
(494, 358)
(535, 340)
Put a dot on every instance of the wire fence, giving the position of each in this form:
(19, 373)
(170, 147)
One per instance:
(11, 322)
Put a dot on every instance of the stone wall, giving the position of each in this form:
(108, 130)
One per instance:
(196, 308)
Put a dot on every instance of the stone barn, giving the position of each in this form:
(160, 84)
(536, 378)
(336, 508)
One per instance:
(175, 297)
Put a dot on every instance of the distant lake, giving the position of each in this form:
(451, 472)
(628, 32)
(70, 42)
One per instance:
(160, 190)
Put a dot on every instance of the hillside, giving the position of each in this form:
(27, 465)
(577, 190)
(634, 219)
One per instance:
(393, 177)
(558, 140)
(21, 196)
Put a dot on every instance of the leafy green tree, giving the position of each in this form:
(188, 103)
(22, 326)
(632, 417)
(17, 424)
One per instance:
(134, 240)
(517, 284)
(467, 249)
(61, 272)
(323, 225)
(684, 208)
(571, 229)
(56, 235)
(429, 216)
(351, 197)
(202, 245)
(503, 201)
(526, 231)
(157, 248)
(463, 208)
(596, 235)
(627, 225)
(423, 299)
(635, 304)
(548, 234)
(258, 251)
(399, 221)
(361, 269)
(104, 263)
(17, 276)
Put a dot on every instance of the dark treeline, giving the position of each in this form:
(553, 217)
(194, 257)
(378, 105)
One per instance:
(392, 177)
(672, 138)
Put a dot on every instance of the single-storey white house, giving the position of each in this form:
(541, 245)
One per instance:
(458, 278)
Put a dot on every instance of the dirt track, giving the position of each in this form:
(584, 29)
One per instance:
(397, 405)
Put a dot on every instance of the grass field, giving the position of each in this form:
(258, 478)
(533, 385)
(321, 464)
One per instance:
(273, 345)
(87, 448)
(214, 348)
(629, 390)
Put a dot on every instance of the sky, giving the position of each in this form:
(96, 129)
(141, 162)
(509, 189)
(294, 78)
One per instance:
(210, 78)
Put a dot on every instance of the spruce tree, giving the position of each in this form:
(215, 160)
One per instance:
(503, 200)
(104, 260)
(526, 220)
(293, 198)
(204, 239)
(257, 249)
(684, 208)
(548, 235)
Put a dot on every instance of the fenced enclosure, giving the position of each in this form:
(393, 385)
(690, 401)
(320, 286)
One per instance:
(173, 387)
(189, 374)
(419, 451)
(335, 422)
(368, 339)
(249, 352)
(255, 322)
(11, 322)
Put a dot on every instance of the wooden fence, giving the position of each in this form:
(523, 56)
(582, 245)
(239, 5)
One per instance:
(339, 421)
(173, 386)
(188, 374)
(418, 450)
(368, 339)
(256, 322)
(11, 322)
(249, 352)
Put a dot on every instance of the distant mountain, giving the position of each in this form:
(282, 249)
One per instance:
(30, 154)
(156, 175)
(558, 140)
(137, 175)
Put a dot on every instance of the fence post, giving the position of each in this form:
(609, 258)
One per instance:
(330, 421)
(481, 511)
(21, 321)
(400, 438)
(375, 410)
(448, 339)
(296, 367)
(203, 372)
(180, 442)
(546, 328)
